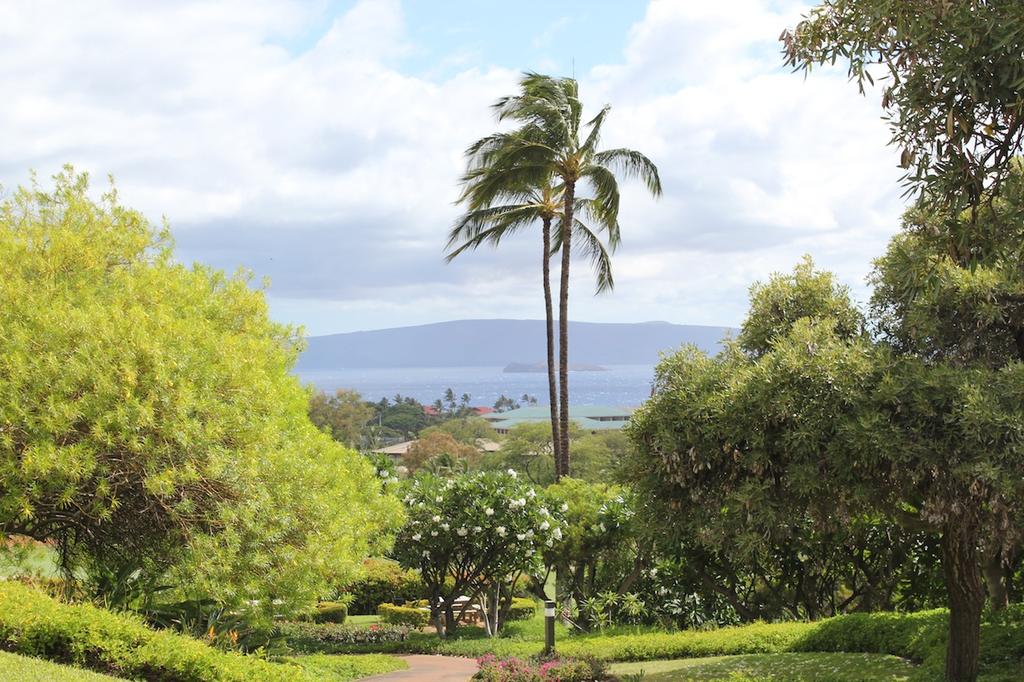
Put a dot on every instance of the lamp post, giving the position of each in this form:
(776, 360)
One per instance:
(549, 628)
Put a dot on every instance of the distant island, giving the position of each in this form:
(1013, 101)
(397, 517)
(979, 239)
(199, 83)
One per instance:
(529, 367)
(490, 343)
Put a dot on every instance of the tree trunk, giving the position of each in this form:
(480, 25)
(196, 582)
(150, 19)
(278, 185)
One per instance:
(563, 332)
(995, 580)
(960, 563)
(549, 318)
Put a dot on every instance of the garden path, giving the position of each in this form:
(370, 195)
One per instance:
(431, 669)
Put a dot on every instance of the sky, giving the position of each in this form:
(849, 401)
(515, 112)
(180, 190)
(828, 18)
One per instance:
(319, 145)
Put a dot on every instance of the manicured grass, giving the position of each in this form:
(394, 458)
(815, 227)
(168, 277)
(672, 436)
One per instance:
(25, 669)
(342, 668)
(916, 637)
(790, 667)
(362, 620)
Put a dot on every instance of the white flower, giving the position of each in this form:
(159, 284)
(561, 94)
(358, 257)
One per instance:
(520, 536)
(544, 511)
(654, 572)
(439, 499)
(544, 525)
(500, 530)
(477, 529)
(436, 518)
(529, 552)
(601, 526)
(550, 543)
(529, 533)
(564, 508)
(383, 473)
(531, 493)
(408, 499)
(444, 526)
(462, 532)
(489, 511)
(433, 533)
(426, 554)
(417, 537)
(393, 479)
(557, 534)
(512, 473)
(420, 504)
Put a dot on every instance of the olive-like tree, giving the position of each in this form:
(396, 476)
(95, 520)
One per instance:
(811, 414)
(952, 77)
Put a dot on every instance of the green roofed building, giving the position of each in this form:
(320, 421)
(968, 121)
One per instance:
(588, 417)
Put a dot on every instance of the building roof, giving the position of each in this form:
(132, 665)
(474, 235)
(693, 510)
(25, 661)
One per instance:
(575, 412)
(396, 449)
(589, 417)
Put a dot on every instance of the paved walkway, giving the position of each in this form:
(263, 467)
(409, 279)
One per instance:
(431, 669)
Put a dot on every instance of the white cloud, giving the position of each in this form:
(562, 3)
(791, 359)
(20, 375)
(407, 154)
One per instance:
(276, 136)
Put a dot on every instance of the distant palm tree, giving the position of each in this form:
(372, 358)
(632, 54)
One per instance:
(496, 212)
(547, 150)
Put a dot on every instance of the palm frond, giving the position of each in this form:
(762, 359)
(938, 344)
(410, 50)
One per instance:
(631, 164)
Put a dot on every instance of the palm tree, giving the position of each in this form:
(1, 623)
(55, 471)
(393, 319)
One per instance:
(495, 212)
(548, 148)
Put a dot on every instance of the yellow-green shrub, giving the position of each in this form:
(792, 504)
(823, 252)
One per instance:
(403, 615)
(83, 635)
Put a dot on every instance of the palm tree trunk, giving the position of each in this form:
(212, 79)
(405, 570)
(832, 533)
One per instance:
(550, 327)
(563, 332)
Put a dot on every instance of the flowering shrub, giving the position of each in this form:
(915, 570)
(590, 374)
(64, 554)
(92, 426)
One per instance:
(324, 636)
(512, 669)
(478, 530)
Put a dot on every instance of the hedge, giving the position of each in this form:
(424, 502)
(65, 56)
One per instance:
(403, 615)
(383, 581)
(330, 612)
(36, 625)
(522, 608)
(919, 637)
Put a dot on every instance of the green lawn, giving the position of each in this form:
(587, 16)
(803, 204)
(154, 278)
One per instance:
(362, 620)
(790, 667)
(342, 668)
(14, 668)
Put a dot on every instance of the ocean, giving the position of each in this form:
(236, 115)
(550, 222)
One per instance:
(619, 385)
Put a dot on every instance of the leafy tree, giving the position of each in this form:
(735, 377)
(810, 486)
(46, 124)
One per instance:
(148, 419)
(596, 456)
(529, 449)
(404, 419)
(953, 75)
(547, 164)
(434, 443)
(602, 549)
(343, 415)
(828, 423)
(466, 430)
(473, 535)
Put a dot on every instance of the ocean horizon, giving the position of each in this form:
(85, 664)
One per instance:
(618, 385)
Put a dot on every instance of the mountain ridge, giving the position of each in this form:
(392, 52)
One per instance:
(498, 342)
